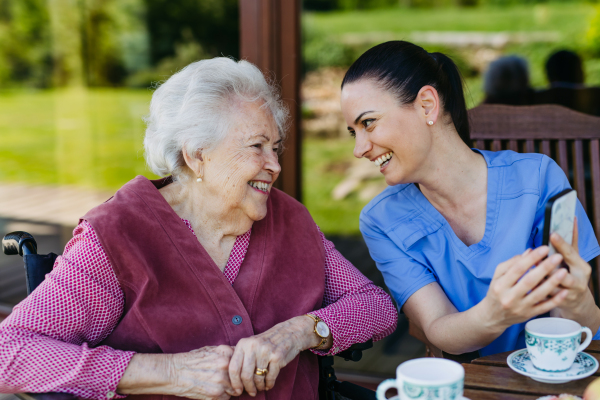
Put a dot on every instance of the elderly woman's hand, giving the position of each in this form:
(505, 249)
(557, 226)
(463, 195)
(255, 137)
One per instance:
(579, 303)
(198, 374)
(271, 350)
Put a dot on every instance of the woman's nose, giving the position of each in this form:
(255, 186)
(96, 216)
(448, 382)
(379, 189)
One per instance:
(361, 146)
(272, 164)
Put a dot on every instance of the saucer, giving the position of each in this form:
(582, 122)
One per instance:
(584, 366)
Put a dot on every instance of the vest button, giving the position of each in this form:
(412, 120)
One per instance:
(236, 320)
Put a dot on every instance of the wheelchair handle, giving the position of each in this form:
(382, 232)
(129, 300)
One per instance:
(21, 243)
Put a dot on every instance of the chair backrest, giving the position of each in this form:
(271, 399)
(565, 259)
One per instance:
(569, 137)
(584, 99)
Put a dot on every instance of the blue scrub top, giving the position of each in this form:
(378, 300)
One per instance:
(413, 245)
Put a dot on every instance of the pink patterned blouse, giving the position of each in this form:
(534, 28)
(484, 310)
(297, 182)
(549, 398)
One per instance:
(48, 342)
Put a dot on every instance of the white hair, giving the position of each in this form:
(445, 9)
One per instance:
(194, 107)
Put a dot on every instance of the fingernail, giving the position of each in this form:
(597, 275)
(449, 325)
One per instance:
(556, 258)
(541, 249)
(561, 273)
(526, 252)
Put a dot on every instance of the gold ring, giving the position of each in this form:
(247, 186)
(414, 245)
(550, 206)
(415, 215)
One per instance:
(261, 371)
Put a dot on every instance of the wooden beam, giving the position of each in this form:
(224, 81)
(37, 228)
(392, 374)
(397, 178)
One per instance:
(270, 39)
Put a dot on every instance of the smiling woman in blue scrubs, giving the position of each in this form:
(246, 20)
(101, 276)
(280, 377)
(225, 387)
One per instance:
(457, 231)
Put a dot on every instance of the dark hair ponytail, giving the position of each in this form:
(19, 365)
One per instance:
(404, 68)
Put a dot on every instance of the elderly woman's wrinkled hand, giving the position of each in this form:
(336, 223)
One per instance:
(203, 373)
(579, 299)
(270, 350)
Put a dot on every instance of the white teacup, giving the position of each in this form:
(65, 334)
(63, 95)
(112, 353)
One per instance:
(553, 343)
(425, 378)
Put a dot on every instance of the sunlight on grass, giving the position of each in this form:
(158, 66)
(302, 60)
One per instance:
(566, 18)
(89, 138)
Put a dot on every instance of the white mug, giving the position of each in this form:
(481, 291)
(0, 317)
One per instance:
(553, 343)
(426, 378)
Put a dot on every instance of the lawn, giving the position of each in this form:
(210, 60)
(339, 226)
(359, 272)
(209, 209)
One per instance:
(570, 19)
(323, 163)
(89, 138)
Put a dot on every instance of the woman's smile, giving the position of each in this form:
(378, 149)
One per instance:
(384, 160)
(263, 187)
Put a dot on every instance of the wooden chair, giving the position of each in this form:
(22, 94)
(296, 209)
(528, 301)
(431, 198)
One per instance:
(584, 99)
(569, 137)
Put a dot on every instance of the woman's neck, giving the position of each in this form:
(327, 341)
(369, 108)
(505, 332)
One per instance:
(211, 220)
(455, 183)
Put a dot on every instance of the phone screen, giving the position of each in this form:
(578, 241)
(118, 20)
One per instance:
(560, 216)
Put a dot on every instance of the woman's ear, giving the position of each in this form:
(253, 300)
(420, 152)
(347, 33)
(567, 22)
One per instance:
(428, 103)
(195, 161)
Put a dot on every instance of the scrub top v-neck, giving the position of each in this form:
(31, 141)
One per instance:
(413, 244)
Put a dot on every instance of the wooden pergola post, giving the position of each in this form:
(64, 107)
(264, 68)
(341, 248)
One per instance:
(270, 38)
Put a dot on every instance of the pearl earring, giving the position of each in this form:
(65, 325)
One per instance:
(199, 180)
(430, 122)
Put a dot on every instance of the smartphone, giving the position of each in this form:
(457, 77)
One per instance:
(559, 217)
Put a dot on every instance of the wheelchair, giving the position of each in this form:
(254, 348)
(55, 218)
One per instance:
(38, 265)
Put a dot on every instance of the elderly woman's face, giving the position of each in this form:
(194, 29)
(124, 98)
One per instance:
(242, 169)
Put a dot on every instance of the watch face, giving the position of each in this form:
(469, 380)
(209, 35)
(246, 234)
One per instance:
(322, 329)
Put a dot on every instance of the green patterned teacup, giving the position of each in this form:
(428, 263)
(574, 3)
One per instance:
(553, 343)
(426, 379)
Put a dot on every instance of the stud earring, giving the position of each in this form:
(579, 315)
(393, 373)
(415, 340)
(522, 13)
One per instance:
(430, 123)
(199, 180)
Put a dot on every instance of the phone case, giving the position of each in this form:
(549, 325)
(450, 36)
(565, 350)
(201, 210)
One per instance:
(563, 220)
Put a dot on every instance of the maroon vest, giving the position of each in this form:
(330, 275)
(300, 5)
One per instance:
(177, 299)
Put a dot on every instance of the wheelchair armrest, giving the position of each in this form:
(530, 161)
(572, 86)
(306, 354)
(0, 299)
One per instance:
(354, 352)
(46, 396)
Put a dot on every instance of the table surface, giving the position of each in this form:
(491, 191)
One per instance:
(490, 378)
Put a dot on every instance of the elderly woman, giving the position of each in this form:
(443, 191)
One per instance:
(206, 284)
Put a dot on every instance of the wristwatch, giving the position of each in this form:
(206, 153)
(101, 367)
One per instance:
(321, 329)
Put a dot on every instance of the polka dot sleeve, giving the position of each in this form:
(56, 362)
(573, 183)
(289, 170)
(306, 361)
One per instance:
(47, 343)
(355, 309)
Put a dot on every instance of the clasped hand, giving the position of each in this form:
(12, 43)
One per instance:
(519, 292)
(217, 373)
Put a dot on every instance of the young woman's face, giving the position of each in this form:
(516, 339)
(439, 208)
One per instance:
(395, 137)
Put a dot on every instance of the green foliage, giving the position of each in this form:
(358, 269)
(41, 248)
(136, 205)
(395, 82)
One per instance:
(593, 33)
(115, 40)
(320, 50)
(185, 53)
(328, 5)
(214, 24)
(110, 42)
(25, 57)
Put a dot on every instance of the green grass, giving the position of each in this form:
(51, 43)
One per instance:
(570, 19)
(321, 172)
(89, 138)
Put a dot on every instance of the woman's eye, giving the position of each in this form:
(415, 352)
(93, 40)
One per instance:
(368, 122)
(352, 133)
(276, 149)
(258, 145)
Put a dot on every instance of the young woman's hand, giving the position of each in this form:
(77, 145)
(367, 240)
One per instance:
(519, 292)
(271, 350)
(579, 302)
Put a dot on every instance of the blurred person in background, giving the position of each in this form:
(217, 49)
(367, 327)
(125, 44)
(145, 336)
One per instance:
(507, 82)
(457, 230)
(208, 283)
(564, 70)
